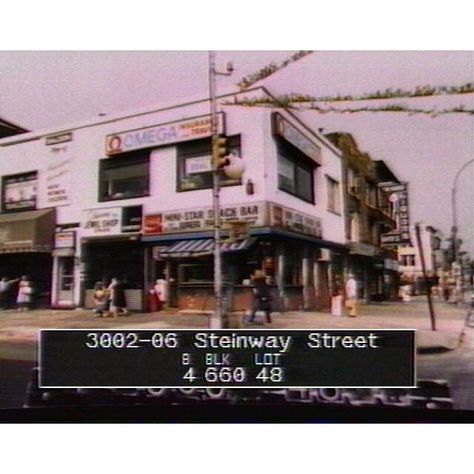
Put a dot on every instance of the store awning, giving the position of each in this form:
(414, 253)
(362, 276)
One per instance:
(29, 231)
(200, 247)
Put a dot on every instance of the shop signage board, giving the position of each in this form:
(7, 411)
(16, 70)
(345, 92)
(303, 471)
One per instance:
(163, 134)
(55, 179)
(295, 221)
(199, 219)
(64, 240)
(398, 198)
(100, 222)
(19, 192)
(291, 134)
(254, 214)
(58, 138)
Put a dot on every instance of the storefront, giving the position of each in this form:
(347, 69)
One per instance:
(286, 245)
(26, 243)
(64, 269)
(110, 248)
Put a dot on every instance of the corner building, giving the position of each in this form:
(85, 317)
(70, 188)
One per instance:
(130, 196)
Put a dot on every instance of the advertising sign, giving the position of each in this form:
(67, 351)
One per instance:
(64, 240)
(200, 219)
(295, 221)
(55, 179)
(99, 222)
(398, 199)
(164, 134)
(19, 192)
(292, 135)
(255, 215)
(59, 138)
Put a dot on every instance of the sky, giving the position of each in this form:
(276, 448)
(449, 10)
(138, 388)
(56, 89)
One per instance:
(48, 89)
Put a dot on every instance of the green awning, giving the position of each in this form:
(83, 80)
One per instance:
(29, 231)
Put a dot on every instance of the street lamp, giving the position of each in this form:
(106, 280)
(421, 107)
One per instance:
(454, 228)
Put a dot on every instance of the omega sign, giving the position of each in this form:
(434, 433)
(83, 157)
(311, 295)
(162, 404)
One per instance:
(164, 134)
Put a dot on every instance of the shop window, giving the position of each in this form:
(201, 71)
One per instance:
(334, 198)
(19, 192)
(124, 177)
(195, 167)
(295, 173)
(196, 273)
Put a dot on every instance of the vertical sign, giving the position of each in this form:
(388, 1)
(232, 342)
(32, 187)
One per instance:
(399, 210)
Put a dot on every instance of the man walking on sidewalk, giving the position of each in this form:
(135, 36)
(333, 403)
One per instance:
(351, 295)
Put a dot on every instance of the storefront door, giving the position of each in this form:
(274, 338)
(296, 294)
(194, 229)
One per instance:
(65, 279)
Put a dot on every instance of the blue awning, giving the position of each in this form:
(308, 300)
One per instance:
(200, 247)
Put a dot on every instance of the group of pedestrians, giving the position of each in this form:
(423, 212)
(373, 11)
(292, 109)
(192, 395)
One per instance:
(109, 300)
(25, 293)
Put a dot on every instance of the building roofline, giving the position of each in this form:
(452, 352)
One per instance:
(37, 135)
(117, 117)
(7, 124)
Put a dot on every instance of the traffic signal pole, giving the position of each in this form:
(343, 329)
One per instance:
(217, 320)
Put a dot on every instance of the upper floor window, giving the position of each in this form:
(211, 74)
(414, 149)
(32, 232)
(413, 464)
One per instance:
(195, 164)
(334, 198)
(123, 177)
(295, 173)
(19, 192)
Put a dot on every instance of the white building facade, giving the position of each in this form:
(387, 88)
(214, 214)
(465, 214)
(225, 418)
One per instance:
(130, 197)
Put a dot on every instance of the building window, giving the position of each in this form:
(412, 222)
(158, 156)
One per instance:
(371, 197)
(195, 166)
(196, 273)
(334, 197)
(408, 260)
(295, 173)
(19, 192)
(124, 177)
(354, 227)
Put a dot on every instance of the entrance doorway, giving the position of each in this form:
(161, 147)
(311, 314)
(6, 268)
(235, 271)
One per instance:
(65, 289)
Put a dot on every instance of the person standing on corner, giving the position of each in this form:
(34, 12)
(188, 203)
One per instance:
(118, 305)
(5, 287)
(351, 296)
(24, 297)
(261, 296)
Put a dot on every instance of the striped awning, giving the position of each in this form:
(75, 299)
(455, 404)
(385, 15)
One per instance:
(200, 247)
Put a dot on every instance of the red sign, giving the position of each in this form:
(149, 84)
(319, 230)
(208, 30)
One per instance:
(152, 224)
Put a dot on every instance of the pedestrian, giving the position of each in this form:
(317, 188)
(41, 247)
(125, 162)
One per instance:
(336, 300)
(24, 297)
(351, 295)
(261, 296)
(404, 293)
(101, 300)
(118, 305)
(5, 289)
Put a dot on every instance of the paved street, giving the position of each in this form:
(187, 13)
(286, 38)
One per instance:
(451, 357)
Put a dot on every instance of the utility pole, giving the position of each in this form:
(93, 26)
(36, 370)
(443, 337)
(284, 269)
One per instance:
(218, 145)
(423, 267)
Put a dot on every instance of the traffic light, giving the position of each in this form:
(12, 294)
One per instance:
(219, 152)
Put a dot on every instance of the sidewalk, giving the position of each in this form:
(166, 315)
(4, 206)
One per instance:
(18, 330)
